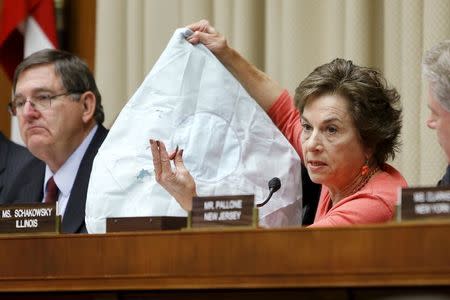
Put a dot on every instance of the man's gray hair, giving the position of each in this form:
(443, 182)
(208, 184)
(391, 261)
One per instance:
(436, 69)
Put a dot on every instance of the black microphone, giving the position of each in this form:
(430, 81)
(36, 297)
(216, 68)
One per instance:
(274, 185)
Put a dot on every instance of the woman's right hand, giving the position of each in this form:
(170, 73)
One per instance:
(259, 85)
(178, 182)
(206, 34)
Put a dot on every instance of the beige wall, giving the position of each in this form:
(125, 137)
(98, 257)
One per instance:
(287, 39)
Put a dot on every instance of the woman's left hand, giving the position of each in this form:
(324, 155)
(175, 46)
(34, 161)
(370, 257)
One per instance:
(178, 182)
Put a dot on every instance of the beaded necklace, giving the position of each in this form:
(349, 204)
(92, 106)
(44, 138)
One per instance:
(358, 183)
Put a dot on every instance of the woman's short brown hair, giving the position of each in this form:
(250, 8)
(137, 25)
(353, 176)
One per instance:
(373, 106)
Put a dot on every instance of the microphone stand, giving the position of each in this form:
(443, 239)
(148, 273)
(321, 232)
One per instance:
(267, 200)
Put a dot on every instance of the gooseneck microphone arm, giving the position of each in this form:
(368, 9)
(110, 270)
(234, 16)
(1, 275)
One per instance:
(265, 201)
(274, 185)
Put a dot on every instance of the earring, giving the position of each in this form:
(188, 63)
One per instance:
(365, 168)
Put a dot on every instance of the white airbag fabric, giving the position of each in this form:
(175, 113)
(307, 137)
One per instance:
(230, 145)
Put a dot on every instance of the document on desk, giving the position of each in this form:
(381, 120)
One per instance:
(231, 146)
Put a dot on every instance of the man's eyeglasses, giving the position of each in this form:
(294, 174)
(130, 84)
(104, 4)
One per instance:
(39, 102)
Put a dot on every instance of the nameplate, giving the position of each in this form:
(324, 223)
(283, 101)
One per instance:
(220, 211)
(124, 224)
(424, 203)
(29, 218)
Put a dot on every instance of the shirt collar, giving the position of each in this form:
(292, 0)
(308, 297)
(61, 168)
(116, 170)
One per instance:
(65, 176)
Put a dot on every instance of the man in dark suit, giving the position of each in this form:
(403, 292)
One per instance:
(13, 160)
(436, 71)
(58, 106)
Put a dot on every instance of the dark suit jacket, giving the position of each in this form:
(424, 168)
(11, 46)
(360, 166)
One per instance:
(73, 220)
(445, 181)
(311, 195)
(14, 159)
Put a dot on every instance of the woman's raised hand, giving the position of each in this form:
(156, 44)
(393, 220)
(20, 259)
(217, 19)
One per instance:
(206, 34)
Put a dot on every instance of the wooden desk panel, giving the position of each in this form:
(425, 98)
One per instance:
(364, 256)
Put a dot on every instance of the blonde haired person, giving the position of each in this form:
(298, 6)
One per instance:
(436, 70)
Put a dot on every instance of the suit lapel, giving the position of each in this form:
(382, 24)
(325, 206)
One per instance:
(34, 191)
(29, 190)
(73, 220)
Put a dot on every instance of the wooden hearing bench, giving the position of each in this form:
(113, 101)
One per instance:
(343, 263)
